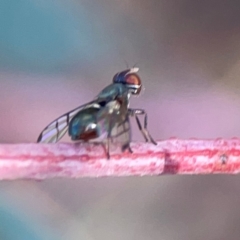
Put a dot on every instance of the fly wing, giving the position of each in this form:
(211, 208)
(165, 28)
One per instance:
(113, 121)
(53, 132)
(121, 133)
(117, 120)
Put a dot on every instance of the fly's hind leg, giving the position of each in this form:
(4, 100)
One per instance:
(147, 136)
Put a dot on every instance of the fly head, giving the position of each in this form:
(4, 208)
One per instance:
(130, 79)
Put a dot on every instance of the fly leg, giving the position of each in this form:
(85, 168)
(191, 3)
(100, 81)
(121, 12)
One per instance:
(123, 130)
(107, 145)
(109, 137)
(107, 149)
(144, 130)
(126, 145)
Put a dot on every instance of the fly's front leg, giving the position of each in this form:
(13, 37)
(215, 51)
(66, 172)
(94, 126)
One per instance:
(144, 130)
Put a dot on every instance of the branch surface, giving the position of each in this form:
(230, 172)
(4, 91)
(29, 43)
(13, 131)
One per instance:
(74, 160)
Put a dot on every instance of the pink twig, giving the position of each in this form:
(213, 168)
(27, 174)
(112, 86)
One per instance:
(174, 156)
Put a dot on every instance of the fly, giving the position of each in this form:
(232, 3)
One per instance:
(104, 119)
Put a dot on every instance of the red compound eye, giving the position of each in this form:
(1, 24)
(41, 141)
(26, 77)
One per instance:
(134, 82)
(133, 79)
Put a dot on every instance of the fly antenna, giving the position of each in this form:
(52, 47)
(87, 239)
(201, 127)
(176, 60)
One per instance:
(135, 64)
(126, 63)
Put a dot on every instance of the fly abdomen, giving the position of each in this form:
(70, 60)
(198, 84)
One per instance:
(83, 126)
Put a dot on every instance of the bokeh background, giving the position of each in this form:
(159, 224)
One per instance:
(56, 55)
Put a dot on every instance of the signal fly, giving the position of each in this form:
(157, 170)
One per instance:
(105, 119)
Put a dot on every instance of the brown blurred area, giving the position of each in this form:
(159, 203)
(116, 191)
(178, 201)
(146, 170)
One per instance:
(57, 55)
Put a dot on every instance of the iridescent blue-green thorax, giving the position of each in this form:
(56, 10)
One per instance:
(93, 122)
(113, 91)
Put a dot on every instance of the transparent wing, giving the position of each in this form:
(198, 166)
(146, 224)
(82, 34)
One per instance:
(121, 133)
(113, 122)
(53, 132)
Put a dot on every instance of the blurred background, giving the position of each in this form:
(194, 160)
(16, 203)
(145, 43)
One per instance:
(56, 55)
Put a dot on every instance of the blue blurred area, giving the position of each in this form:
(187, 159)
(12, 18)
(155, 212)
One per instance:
(46, 36)
(58, 54)
(12, 227)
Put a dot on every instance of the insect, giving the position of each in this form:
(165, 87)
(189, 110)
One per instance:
(105, 119)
